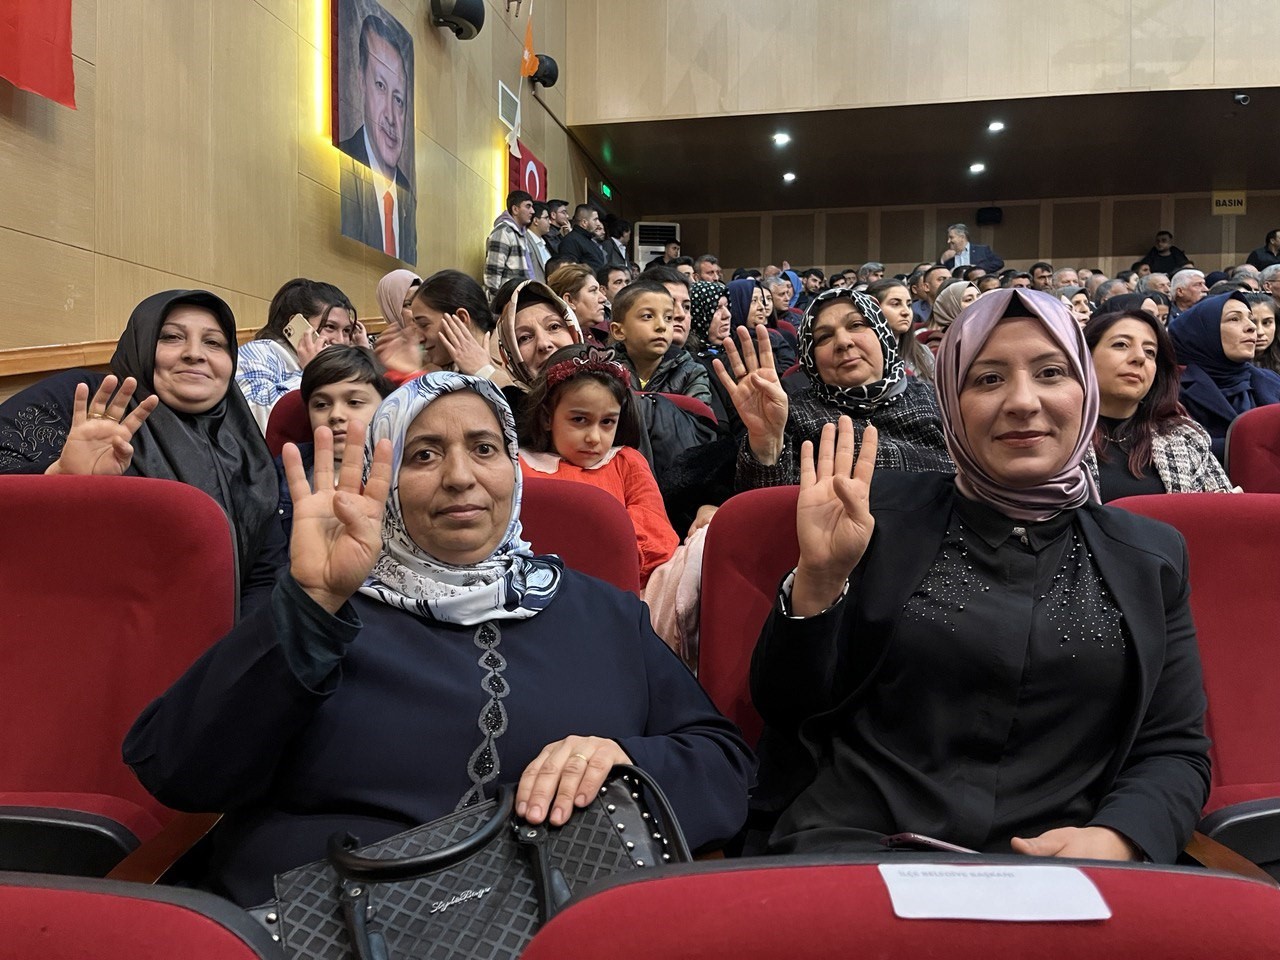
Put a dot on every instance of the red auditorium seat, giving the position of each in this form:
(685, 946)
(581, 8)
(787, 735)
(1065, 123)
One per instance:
(59, 918)
(1234, 546)
(1253, 450)
(801, 910)
(751, 543)
(112, 587)
(690, 405)
(288, 423)
(584, 526)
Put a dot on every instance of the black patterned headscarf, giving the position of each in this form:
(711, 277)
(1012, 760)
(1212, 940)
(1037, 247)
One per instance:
(857, 400)
(704, 297)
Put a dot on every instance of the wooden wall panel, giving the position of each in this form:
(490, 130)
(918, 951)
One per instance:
(47, 287)
(286, 11)
(1172, 43)
(902, 237)
(154, 164)
(739, 242)
(46, 154)
(694, 236)
(820, 54)
(253, 171)
(1075, 229)
(846, 238)
(84, 33)
(1196, 230)
(1018, 236)
(1134, 224)
(792, 238)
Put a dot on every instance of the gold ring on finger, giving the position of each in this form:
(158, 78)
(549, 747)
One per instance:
(582, 755)
(97, 416)
(107, 416)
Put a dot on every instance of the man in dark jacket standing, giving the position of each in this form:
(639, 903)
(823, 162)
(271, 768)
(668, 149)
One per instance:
(579, 243)
(1164, 257)
(1267, 255)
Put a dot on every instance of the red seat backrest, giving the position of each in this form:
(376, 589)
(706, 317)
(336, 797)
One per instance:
(288, 423)
(112, 587)
(71, 918)
(773, 908)
(584, 526)
(1233, 541)
(691, 405)
(751, 543)
(790, 370)
(1253, 450)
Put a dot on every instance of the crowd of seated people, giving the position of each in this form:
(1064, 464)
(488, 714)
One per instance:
(954, 433)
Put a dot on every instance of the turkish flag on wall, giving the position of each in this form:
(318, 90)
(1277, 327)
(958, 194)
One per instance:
(527, 172)
(35, 48)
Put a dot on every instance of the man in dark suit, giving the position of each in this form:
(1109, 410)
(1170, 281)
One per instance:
(379, 207)
(961, 253)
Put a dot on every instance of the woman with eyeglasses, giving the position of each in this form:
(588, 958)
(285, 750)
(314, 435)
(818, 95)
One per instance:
(850, 355)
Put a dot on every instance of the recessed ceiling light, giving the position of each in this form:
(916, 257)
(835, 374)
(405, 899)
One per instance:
(995, 126)
(782, 139)
(788, 177)
(977, 167)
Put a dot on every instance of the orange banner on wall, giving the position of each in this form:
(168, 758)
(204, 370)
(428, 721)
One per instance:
(35, 48)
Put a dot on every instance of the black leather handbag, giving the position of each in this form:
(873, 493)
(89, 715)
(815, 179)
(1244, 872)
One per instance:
(476, 884)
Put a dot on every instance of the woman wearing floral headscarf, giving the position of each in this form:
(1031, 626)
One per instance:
(416, 655)
(851, 358)
(1004, 664)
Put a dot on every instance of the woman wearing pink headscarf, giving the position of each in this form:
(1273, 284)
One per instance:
(991, 659)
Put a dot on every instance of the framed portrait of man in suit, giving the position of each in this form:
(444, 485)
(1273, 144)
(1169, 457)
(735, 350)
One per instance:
(373, 126)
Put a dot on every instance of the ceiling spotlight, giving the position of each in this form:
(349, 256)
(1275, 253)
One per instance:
(995, 126)
(782, 139)
(788, 177)
(977, 167)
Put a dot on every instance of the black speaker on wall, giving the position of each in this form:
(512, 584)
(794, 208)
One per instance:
(464, 17)
(988, 216)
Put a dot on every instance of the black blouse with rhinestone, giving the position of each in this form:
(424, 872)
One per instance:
(997, 707)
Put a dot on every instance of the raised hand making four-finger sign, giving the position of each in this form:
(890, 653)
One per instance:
(99, 440)
(833, 514)
(337, 529)
(756, 393)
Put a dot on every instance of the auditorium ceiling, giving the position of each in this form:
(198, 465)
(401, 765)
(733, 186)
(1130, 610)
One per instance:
(1081, 146)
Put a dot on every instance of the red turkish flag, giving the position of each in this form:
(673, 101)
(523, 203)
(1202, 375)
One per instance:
(35, 48)
(526, 172)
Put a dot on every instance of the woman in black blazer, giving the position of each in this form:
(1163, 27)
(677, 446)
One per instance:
(991, 659)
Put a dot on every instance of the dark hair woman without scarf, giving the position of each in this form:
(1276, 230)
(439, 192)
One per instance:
(1145, 442)
(1215, 339)
(851, 358)
(1005, 664)
(168, 410)
(416, 655)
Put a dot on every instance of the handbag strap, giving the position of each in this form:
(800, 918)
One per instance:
(352, 866)
(661, 810)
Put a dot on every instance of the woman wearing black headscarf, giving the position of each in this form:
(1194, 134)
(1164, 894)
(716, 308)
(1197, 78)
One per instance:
(167, 410)
(749, 307)
(850, 356)
(1215, 341)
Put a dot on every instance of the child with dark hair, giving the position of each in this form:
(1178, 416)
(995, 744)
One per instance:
(340, 385)
(579, 423)
(643, 332)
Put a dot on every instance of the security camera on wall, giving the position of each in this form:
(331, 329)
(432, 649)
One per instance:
(464, 17)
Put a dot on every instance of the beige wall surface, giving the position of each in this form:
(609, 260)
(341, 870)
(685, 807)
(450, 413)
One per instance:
(1110, 232)
(664, 59)
(200, 156)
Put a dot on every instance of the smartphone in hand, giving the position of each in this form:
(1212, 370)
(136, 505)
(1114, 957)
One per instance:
(918, 841)
(296, 329)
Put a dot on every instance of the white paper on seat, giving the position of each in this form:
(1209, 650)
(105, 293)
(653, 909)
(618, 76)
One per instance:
(929, 891)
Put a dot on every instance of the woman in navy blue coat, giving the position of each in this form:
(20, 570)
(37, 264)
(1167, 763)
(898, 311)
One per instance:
(416, 654)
